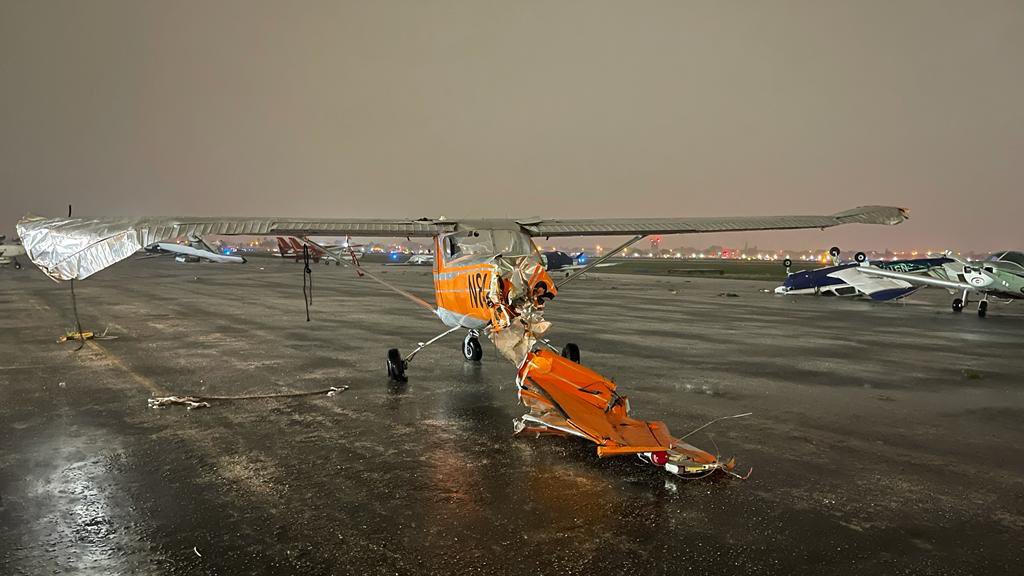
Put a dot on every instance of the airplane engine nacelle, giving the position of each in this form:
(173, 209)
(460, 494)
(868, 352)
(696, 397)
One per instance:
(977, 277)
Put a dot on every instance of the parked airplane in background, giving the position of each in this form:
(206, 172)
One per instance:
(554, 261)
(1001, 276)
(292, 247)
(558, 261)
(488, 280)
(415, 260)
(9, 253)
(849, 279)
(196, 250)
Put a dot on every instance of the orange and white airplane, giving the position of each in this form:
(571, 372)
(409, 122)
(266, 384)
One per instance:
(489, 279)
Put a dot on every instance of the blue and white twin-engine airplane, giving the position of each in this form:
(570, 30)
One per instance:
(850, 279)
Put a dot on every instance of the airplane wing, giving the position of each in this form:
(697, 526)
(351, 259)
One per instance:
(867, 284)
(645, 226)
(68, 248)
(916, 279)
(195, 240)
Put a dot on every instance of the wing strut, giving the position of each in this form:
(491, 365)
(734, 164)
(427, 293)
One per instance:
(581, 271)
(360, 270)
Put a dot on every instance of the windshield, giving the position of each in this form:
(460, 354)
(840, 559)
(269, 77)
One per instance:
(484, 244)
(1015, 257)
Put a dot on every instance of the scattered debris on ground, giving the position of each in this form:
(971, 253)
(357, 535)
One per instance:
(196, 402)
(76, 336)
(566, 398)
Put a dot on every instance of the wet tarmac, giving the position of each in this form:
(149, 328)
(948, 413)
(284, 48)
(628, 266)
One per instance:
(886, 438)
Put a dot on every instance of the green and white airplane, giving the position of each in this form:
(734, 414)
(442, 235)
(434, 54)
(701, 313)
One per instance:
(1000, 276)
(9, 253)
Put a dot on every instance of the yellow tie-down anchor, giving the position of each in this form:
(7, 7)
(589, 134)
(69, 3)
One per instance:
(76, 336)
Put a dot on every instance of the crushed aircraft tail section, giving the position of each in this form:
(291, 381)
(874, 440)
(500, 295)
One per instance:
(566, 398)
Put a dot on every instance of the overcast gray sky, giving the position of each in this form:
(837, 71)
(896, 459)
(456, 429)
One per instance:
(519, 108)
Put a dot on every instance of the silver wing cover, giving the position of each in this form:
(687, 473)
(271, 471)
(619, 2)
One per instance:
(76, 248)
(631, 226)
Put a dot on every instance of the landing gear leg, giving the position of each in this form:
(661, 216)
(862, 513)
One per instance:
(982, 308)
(471, 348)
(396, 365)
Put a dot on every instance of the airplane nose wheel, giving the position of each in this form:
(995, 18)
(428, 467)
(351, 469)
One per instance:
(471, 348)
(958, 305)
(396, 366)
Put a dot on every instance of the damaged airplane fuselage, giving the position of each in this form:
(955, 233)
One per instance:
(494, 281)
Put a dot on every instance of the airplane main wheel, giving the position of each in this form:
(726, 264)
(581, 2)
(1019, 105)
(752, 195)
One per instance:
(17, 265)
(572, 352)
(471, 349)
(860, 257)
(396, 366)
(834, 252)
(958, 304)
(787, 262)
(982, 309)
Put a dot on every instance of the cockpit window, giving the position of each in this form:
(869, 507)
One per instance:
(1015, 257)
(484, 244)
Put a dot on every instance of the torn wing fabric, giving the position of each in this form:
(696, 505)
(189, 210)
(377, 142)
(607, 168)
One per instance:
(64, 250)
(629, 226)
(76, 248)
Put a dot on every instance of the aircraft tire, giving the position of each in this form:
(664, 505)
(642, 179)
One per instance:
(572, 352)
(834, 252)
(787, 262)
(982, 309)
(958, 305)
(17, 265)
(472, 350)
(396, 366)
(860, 257)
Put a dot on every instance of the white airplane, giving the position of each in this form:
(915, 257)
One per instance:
(196, 250)
(415, 260)
(9, 253)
